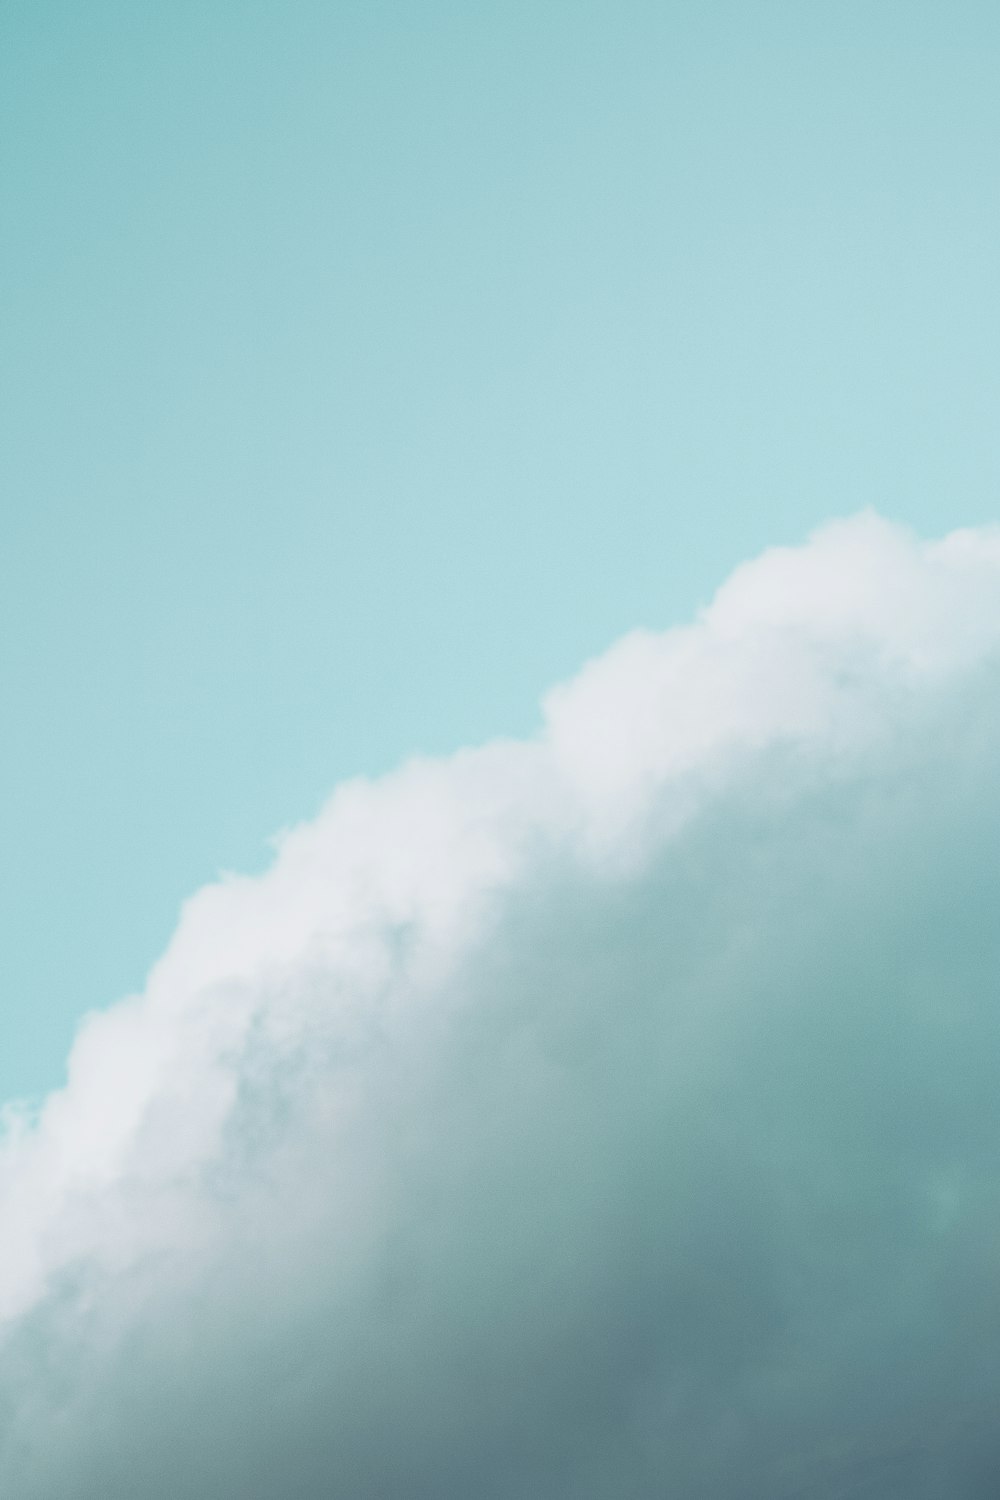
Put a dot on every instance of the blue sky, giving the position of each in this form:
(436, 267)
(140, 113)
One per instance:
(507, 876)
(365, 368)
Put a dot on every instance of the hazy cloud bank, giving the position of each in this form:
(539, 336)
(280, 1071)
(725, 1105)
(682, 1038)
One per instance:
(608, 1115)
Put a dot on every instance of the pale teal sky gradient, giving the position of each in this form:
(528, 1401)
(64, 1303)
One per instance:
(365, 367)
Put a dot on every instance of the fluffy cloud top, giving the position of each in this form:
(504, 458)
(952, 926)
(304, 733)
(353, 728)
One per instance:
(607, 1115)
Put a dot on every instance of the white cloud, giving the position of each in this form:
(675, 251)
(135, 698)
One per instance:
(585, 1116)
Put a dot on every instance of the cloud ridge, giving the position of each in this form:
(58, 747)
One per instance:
(608, 1113)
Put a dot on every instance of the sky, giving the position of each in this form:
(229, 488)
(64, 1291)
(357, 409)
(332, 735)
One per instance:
(499, 613)
(367, 368)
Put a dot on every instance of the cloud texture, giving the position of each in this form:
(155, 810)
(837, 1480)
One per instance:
(601, 1117)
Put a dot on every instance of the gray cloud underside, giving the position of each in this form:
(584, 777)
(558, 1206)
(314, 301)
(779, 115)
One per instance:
(681, 1178)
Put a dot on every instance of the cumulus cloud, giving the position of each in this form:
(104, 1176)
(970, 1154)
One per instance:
(611, 1114)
